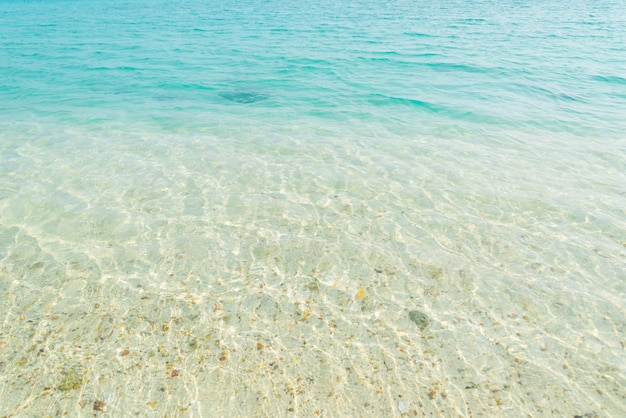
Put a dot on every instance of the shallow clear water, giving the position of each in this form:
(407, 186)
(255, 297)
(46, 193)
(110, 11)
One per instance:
(217, 208)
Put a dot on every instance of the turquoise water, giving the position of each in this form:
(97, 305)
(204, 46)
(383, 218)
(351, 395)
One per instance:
(231, 208)
(443, 69)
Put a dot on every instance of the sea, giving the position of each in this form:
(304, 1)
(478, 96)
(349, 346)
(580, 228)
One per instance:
(313, 208)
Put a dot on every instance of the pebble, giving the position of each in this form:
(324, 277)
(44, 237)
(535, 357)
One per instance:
(403, 407)
(420, 319)
(71, 381)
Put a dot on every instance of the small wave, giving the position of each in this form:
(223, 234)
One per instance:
(243, 96)
(418, 34)
(612, 79)
(449, 67)
(382, 99)
(182, 86)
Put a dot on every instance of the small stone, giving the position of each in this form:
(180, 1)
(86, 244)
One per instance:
(420, 319)
(71, 381)
(403, 407)
(36, 266)
(99, 406)
(431, 291)
(313, 286)
(360, 294)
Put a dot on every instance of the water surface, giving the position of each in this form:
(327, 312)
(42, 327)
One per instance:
(312, 209)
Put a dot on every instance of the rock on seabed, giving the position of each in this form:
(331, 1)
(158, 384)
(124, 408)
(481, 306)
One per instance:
(420, 319)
